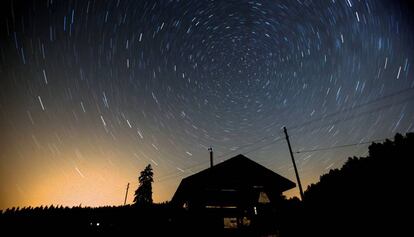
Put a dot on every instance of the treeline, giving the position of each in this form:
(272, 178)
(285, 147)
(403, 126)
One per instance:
(25, 210)
(368, 196)
(109, 220)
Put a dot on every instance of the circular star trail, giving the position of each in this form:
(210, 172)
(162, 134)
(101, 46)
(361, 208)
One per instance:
(93, 91)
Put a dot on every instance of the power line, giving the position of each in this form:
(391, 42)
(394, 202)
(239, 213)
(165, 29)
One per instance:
(173, 175)
(350, 109)
(353, 107)
(176, 174)
(361, 114)
(339, 146)
(341, 120)
(333, 123)
(265, 145)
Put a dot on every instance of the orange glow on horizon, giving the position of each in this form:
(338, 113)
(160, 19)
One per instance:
(97, 183)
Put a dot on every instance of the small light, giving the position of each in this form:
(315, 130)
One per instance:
(255, 210)
(97, 223)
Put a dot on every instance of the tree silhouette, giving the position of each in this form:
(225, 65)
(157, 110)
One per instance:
(143, 194)
(374, 188)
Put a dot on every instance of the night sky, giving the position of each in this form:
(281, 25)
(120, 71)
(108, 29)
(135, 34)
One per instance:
(93, 91)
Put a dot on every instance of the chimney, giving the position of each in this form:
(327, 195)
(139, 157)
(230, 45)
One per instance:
(211, 156)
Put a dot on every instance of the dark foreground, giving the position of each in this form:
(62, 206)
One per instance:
(368, 196)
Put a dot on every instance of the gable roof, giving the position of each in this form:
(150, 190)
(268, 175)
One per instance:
(235, 173)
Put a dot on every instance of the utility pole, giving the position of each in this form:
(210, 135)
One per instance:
(126, 194)
(294, 164)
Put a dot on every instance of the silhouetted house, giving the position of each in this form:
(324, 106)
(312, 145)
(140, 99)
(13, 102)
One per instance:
(235, 193)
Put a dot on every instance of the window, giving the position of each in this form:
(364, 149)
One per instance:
(263, 198)
(230, 222)
(246, 221)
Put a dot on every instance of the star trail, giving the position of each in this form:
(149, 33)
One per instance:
(93, 91)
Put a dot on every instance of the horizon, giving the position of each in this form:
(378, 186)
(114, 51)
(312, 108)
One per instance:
(92, 92)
